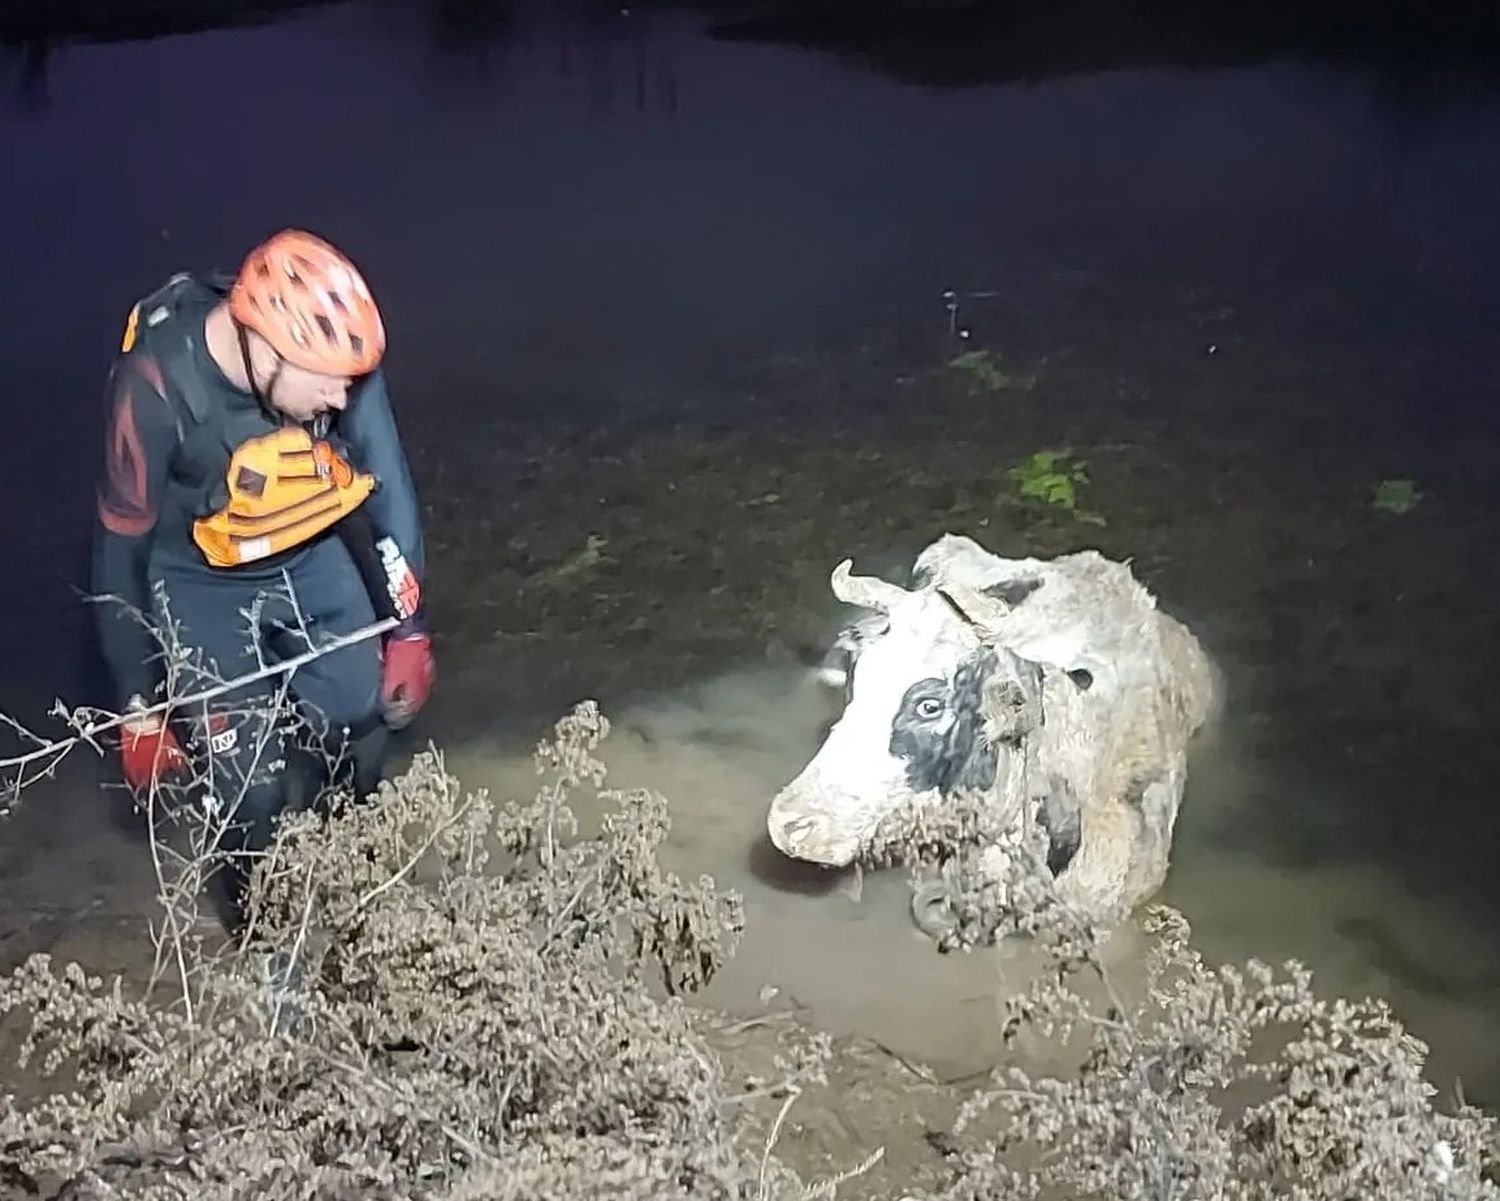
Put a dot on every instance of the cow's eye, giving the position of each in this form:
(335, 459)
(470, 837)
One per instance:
(929, 707)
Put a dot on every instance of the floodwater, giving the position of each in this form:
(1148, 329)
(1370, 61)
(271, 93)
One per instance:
(686, 295)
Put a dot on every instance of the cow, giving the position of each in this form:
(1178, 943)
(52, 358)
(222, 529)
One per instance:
(1050, 691)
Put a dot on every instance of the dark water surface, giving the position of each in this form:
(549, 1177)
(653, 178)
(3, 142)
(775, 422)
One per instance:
(1248, 293)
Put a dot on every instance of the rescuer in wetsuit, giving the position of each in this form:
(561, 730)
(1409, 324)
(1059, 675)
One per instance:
(255, 496)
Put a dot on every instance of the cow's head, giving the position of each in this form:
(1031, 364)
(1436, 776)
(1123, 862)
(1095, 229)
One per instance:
(933, 705)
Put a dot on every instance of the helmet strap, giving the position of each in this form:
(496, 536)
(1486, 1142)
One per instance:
(261, 397)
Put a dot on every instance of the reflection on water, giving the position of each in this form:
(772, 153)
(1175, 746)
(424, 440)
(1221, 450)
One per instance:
(961, 44)
(588, 222)
(31, 58)
(33, 36)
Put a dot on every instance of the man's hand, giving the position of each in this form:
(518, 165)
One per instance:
(406, 675)
(149, 751)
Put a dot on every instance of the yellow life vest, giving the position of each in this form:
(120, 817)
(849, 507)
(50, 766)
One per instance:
(284, 487)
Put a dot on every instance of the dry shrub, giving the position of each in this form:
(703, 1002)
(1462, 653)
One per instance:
(1233, 1082)
(441, 996)
(446, 997)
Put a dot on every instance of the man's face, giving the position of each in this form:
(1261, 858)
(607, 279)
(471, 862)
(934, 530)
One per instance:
(302, 394)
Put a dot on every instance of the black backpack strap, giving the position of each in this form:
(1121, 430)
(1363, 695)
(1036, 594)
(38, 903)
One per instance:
(171, 345)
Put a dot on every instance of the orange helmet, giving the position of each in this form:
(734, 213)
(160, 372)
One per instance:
(310, 303)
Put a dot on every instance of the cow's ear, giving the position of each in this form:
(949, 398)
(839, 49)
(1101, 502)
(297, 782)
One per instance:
(996, 702)
(1061, 816)
(1013, 592)
(970, 755)
(1012, 695)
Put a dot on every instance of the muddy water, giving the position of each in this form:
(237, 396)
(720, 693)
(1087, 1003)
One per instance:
(842, 949)
(670, 329)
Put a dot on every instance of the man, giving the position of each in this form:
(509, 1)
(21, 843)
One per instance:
(256, 503)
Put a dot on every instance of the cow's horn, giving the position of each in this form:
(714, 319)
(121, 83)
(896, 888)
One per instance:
(869, 592)
(982, 610)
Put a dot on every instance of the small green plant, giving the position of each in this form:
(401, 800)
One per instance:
(983, 367)
(1054, 477)
(986, 371)
(1396, 496)
(581, 561)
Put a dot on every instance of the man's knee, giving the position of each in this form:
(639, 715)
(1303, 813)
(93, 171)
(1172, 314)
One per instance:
(343, 687)
(239, 749)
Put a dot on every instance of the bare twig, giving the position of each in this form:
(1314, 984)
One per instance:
(406, 868)
(827, 1188)
(94, 729)
(765, 1159)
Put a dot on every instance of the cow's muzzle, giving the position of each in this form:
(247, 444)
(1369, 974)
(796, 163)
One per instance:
(804, 829)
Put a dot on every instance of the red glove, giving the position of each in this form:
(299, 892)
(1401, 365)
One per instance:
(406, 675)
(149, 751)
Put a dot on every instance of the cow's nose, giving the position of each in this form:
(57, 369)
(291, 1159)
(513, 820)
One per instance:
(814, 836)
(802, 836)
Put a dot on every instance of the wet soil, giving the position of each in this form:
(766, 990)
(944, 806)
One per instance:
(1235, 456)
(1234, 467)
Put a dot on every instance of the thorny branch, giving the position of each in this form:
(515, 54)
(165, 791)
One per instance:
(88, 731)
(356, 1039)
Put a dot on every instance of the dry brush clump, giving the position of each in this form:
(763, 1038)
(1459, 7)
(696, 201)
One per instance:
(442, 995)
(439, 996)
(1232, 1082)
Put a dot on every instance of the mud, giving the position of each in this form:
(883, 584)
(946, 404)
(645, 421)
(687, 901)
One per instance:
(1239, 483)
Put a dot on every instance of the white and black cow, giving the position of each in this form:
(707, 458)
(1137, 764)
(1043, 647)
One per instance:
(1053, 687)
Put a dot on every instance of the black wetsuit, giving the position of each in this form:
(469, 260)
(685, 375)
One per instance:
(166, 464)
